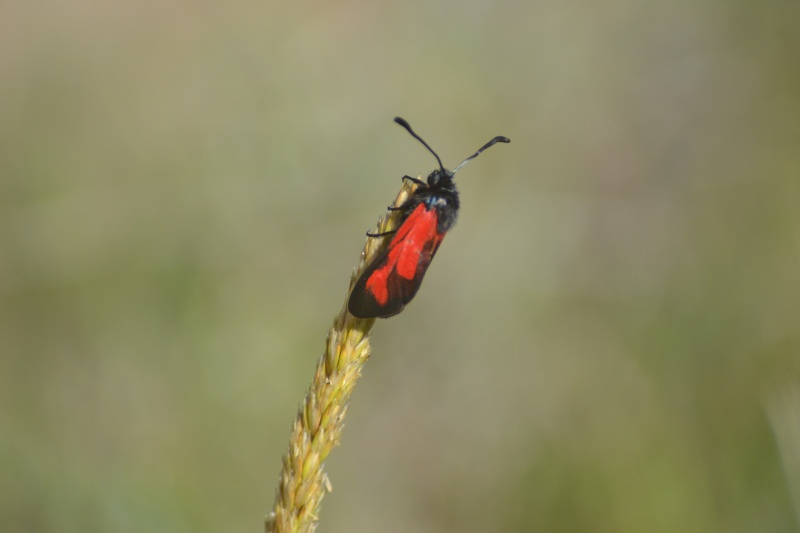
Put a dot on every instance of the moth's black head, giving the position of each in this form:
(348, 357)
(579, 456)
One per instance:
(440, 178)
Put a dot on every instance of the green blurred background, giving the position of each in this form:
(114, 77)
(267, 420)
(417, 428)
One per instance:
(607, 341)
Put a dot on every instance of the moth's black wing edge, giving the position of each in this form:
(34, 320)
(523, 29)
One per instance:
(409, 287)
(361, 304)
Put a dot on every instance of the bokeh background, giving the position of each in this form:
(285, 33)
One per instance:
(607, 341)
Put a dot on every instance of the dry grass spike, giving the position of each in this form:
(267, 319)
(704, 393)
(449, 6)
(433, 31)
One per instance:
(318, 426)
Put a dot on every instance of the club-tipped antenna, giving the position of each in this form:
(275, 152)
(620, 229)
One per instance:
(498, 139)
(407, 126)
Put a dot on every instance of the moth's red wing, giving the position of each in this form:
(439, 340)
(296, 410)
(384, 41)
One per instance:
(394, 277)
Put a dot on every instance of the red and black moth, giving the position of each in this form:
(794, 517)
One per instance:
(393, 278)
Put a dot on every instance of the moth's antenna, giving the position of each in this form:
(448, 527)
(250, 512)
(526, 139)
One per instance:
(407, 126)
(498, 139)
